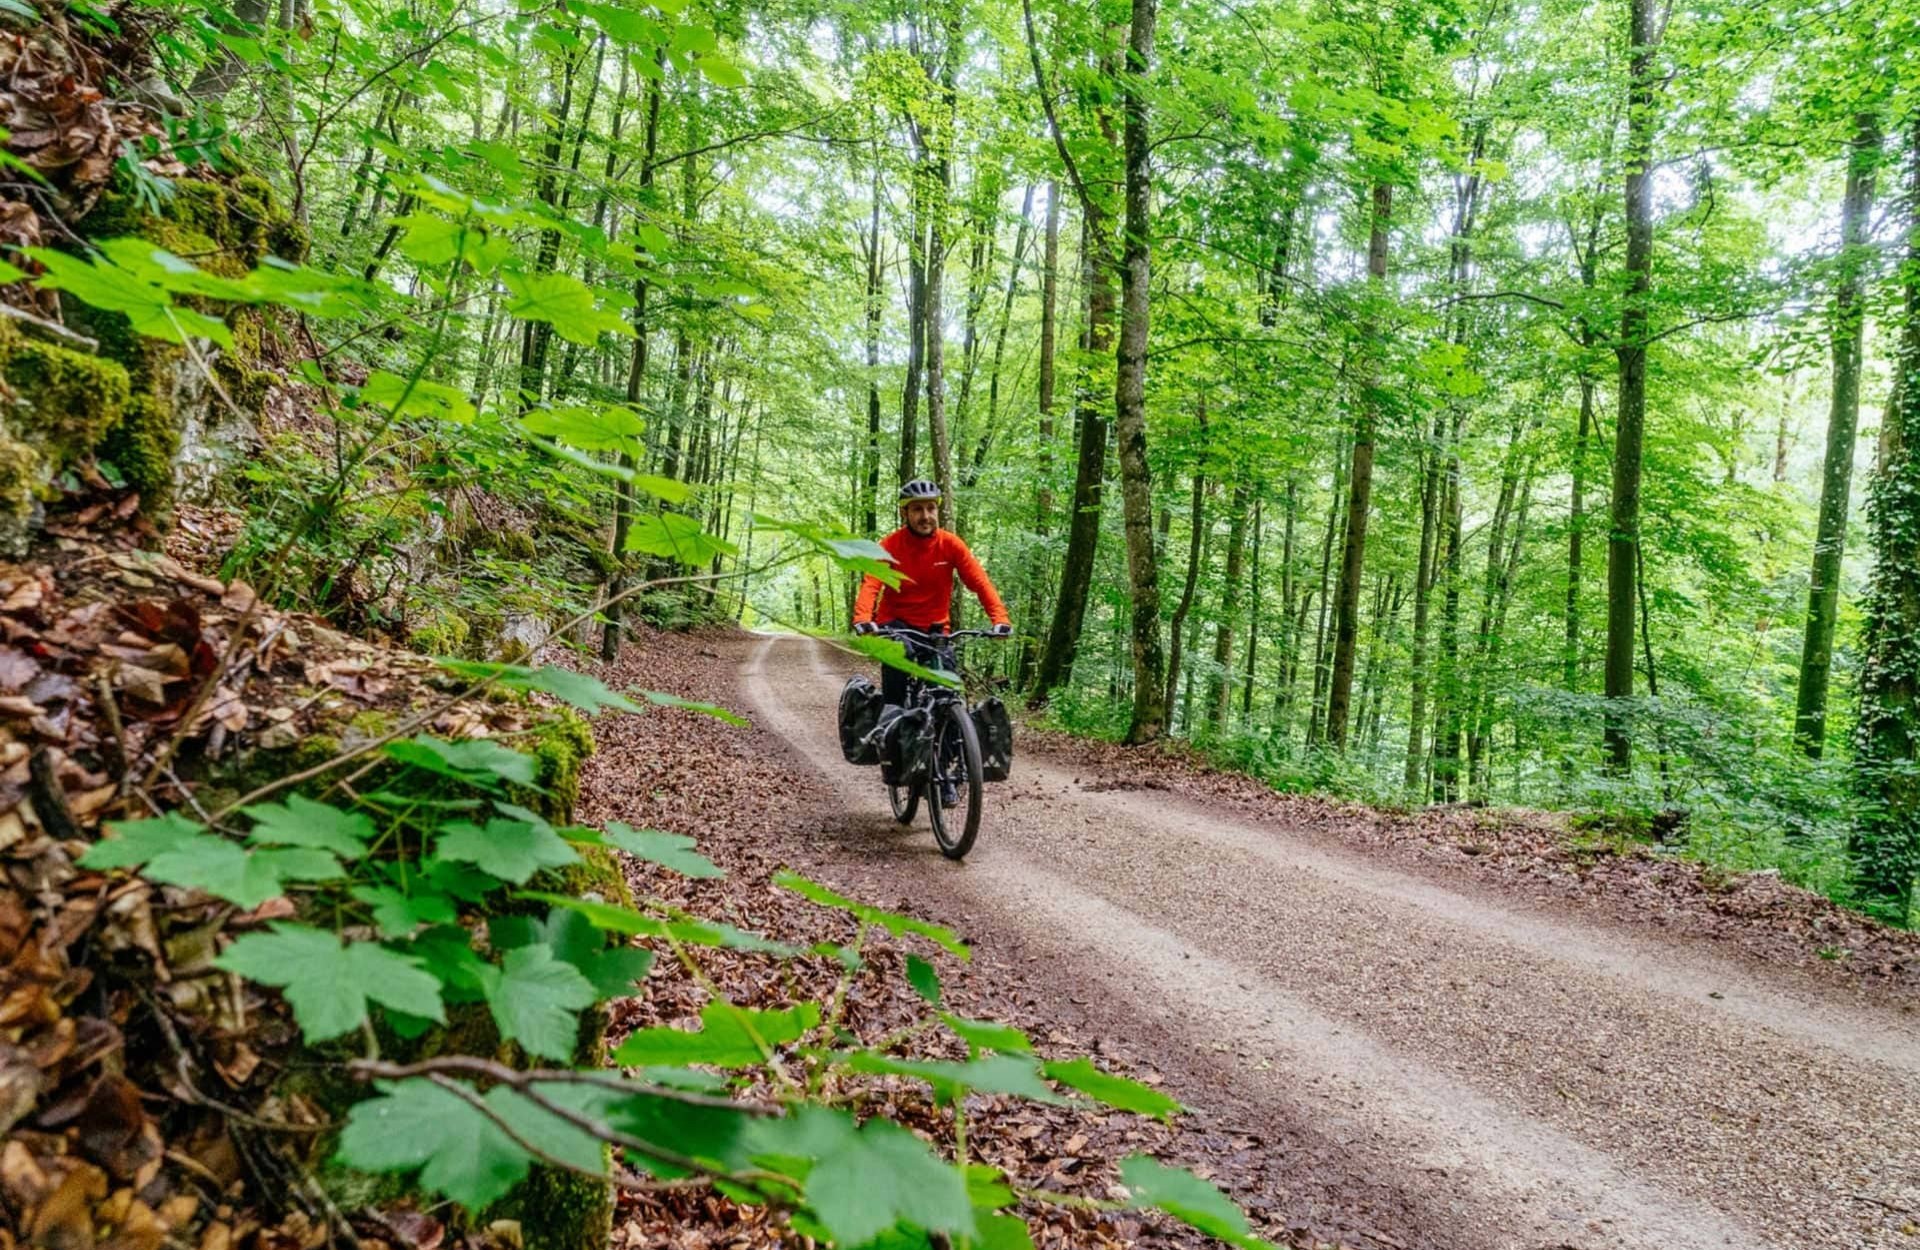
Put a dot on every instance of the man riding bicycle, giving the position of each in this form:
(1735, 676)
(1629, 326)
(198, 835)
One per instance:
(928, 558)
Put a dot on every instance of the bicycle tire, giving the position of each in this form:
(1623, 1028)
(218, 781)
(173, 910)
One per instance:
(956, 721)
(905, 800)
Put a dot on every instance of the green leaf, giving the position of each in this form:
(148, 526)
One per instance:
(433, 241)
(398, 914)
(564, 302)
(675, 536)
(10, 273)
(571, 936)
(458, 1149)
(669, 850)
(476, 761)
(1115, 1091)
(511, 850)
(987, 1035)
(1001, 1232)
(19, 8)
(721, 71)
(892, 922)
(660, 698)
(147, 307)
(602, 428)
(893, 653)
(924, 980)
(329, 986)
(417, 397)
(538, 1001)
(302, 822)
(692, 932)
(131, 843)
(1188, 1199)
(866, 1179)
(729, 1037)
(589, 694)
(987, 1187)
(994, 1074)
(176, 851)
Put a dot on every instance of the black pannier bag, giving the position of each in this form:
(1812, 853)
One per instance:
(995, 728)
(860, 706)
(905, 751)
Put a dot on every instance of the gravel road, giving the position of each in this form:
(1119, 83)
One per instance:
(1476, 1072)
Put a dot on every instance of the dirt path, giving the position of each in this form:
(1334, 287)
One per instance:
(1525, 1079)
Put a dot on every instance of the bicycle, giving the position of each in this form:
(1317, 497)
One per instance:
(950, 752)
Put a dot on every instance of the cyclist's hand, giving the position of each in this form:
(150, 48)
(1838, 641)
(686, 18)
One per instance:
(865, 627)
(1003, 630)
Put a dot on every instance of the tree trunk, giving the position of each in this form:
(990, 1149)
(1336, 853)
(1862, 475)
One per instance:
(1630, 426)
(1422, 608)
(1253, 621)
(1043, 501)
(1360, 488)
(916, 327)
(1843, 417)
(1196, 542)
(1316, 726)
(636, 378)
(870, 513)
(1129, 394)
(1219, 688)
(1446, 741)
(1885, 843)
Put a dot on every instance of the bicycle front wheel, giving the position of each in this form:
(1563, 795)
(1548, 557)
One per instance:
(956, 772)
(905, 800)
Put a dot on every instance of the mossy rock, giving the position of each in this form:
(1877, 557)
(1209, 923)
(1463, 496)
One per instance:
(64, 401)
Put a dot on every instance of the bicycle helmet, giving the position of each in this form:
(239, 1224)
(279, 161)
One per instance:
(919, 488)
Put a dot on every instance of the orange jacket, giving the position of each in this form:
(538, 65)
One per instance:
(927, 567)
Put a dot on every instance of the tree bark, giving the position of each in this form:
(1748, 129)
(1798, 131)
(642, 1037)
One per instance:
(1196, 541)
(1129, 394)
(1422, 608)
(1219, 688)
(1359, 487)
(623, 506)
(1043, 500)
(1630, 425)
(1253, 620)
(870, 513)
(1843, 418)
(1885, 843)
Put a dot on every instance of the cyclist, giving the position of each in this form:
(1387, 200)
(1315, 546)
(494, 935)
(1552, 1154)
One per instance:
(928, 559)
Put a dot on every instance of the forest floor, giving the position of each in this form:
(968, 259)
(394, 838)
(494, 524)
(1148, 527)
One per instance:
(1462, 1029)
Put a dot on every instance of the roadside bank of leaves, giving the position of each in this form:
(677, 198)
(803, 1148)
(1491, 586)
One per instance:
(754, 810)
(1542, 856)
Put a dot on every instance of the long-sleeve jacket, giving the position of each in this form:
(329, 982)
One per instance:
(927, 567)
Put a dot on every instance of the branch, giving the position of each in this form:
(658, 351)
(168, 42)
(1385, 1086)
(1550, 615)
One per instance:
(471, 1065)
(1709, 319)
(1541, 300)
(1087, 205)
(51, 330)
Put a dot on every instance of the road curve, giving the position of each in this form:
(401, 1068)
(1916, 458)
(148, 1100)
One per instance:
(1532, 1081)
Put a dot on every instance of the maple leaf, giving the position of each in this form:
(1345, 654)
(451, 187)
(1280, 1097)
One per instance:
(329, 984)
(729, 1037)
(537, 1002)
(512, 850)
(303, 822)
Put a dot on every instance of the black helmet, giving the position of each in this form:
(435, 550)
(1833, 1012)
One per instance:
(919, 488)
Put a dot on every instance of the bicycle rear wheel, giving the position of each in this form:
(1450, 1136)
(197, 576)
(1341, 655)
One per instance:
(956, 763)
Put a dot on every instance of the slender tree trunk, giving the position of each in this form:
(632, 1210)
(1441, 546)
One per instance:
(1083, 525)
(1130, 397)
(1196, 542)
(1576, 525)
(1885, 843)
(1219, 687)
(1360, 488)
(1316, 726)
(1043, 501)
(1446, 742)
(1422, 607)
(1630, 425)
(916, 327)
(535, 335)
(623, 507)
(1253, 621)
(870, 514)
(1843, 417)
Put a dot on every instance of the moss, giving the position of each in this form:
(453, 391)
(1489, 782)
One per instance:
(559, 747)
(441, 633)
(73, 398)
(143, 445)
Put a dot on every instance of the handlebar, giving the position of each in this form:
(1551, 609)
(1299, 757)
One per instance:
(956, 636)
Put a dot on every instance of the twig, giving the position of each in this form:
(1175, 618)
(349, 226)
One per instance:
(183, 1063)
(488, 1069)
(50, 329)
(110, 712)
(1883, 1203)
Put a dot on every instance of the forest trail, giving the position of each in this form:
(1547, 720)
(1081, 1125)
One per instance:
(1516, 1079)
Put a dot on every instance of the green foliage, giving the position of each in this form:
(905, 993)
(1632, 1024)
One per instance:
(329, 984)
